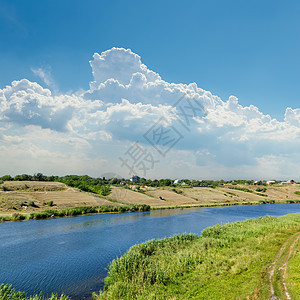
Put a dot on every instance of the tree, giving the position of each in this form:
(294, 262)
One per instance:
(6, 178)
(23, 177)
(38, 177)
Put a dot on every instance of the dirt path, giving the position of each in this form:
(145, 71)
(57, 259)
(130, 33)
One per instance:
(278, 268)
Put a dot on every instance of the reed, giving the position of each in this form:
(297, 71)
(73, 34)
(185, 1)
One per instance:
(7, 292)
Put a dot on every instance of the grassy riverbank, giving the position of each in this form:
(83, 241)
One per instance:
(231, 261)
(75, 211)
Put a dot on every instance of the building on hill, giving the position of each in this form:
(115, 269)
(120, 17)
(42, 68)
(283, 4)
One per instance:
(178, 181)
(135, 178)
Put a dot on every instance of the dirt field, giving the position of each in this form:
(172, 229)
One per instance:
(26, 197)
(183, 196)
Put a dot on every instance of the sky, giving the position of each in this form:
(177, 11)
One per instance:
(177, 89)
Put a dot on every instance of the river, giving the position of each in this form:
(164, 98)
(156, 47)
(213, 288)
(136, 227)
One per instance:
(71, 255)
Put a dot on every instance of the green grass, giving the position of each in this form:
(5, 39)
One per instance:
(75, 211)
(7, 292)
(226, 262)
(293, 201)
(297, 192)
(265, 201)
(293, 274)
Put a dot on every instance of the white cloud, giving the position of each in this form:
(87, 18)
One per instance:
(217, 138)
(45, 75)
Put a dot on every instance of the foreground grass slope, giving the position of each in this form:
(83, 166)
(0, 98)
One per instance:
(231, 261)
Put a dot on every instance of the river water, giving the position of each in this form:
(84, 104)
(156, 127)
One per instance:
(71, 255)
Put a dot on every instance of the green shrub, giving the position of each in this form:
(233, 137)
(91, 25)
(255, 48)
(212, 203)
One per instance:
(18, 217)
(263, 195)
(261, 189)
(297, 192)
(265, 201)
(240, 189)
(293, 201)
(50, 203)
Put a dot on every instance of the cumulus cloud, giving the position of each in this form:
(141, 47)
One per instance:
(127, 102)
(27, 103)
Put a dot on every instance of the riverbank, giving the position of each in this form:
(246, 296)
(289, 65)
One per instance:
(230, 261)
(26, 200)
(89, 210)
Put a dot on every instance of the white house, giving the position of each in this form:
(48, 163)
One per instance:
(177, 181)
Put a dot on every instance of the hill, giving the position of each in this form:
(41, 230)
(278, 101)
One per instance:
(26, 197)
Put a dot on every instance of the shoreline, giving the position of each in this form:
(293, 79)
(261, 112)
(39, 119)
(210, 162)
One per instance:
(94, 210)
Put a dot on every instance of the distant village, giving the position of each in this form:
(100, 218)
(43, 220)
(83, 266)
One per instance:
(136, 179)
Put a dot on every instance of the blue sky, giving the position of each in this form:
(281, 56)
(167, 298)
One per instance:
(249, 49)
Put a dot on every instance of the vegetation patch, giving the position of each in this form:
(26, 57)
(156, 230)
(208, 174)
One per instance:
(293, 275)
(293, 201)
(239, 188)
(7, 292)
(75, 211)
(261, 189)
(226, 262)
(263, 195)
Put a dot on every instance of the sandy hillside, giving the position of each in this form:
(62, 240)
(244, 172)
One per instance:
(19, 197)
(184, 196)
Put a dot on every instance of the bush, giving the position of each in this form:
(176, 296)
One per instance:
(6, 178)
(18, 217)
(293, 201)
(297, 192)
(50, 203)
(241, 189)
(261, 189)
(263, 195)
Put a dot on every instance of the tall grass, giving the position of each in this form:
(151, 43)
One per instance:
(225, 262)
(7, 292)
(293, 274)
